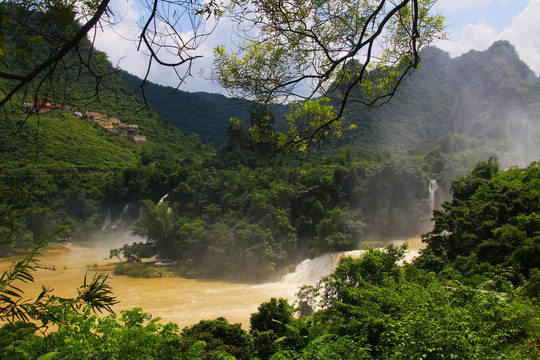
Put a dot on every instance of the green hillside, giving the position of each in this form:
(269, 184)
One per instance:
(71, 171)
(201, 113)
(190, 112)
(263, 214)
(59, 141)
(462, 109)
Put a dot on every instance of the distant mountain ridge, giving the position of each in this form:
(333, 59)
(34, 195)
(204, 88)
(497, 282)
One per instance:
(482, 101)
(205, 114)
(489, 99)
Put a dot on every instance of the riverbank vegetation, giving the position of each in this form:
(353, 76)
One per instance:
(251, 223)
(368, 308)
(237, 214)
(443, 305)
(242, 214)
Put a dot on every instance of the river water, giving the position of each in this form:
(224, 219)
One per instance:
(182, 301)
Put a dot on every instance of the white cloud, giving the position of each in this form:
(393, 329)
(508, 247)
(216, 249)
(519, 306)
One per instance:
(478, 37)
(522, 33)
(119, 41)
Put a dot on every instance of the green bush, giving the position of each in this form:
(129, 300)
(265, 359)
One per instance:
(136, 270)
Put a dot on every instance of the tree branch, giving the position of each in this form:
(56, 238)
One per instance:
(61, 53)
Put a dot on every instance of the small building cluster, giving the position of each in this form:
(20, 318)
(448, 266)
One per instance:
(136, 138)
(105, 121)
(41, 106)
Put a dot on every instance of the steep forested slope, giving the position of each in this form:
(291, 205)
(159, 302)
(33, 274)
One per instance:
(68, 169)
(265, 214)
(205, 114)
(66, 142)
(465, 109)
(483, 101)
(189, 112)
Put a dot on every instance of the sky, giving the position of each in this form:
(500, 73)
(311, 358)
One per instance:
(471, 25)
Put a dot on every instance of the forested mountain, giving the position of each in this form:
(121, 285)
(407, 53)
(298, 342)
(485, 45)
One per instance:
(235, 214)
(67, 164)
(201, 113)
(374, 189)
(238, 210)
(464, 109)
(483, 101)
(261, 215)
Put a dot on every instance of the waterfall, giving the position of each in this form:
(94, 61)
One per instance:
(169, 210)
(107, 220)
(124, 210)
(309, 271)
(141, 214)
(432, 188)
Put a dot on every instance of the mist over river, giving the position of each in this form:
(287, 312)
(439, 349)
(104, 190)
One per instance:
(178, 300)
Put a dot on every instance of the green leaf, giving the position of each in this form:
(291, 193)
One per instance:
(48, 356)
(3, 49)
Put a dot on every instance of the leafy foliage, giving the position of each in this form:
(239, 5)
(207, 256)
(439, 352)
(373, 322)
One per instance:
(96, 294)
(490, 227)
(392, 312)
(303, 51)
(260, 216)
(13, 306)
(220, 221)
(269, 325)
(157, 227)
(16, 206)
(26, 316)
(368, 308)
(223, 340)
(85, 336)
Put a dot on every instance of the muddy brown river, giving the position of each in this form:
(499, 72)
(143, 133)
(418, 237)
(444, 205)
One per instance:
(182, 301)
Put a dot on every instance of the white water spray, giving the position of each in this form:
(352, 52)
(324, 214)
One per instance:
(310, 271)
(124, 211)
(433, 186)
(141, 214)
(107, 220)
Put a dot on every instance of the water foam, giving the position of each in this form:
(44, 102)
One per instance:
(309, 271)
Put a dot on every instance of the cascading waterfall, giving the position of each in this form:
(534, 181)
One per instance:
(309, 271)
(169, 210)
(107, 220)
(124, 211)
(432, 188)
(124, 237)
(141, 214)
